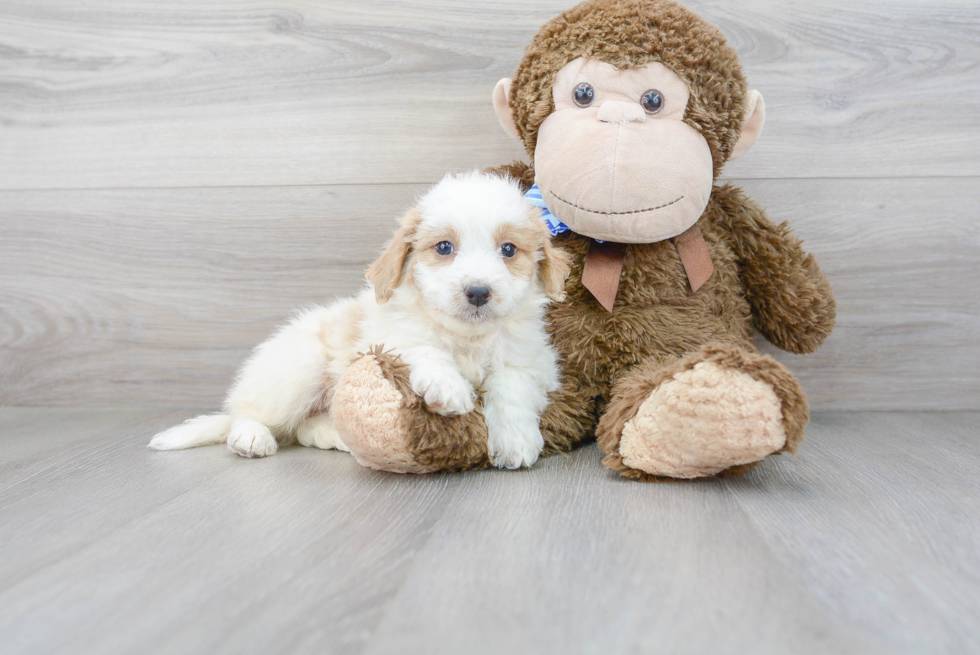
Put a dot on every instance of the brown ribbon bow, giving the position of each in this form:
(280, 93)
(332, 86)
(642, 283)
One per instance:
(604, 265)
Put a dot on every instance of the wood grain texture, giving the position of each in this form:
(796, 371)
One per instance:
(117, 291)
(865, 542)
(874, 507)
(156, 296)
(600, 565)
(121, 94)
(311, 548)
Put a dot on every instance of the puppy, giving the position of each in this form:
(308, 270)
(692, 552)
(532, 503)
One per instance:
(458, 294)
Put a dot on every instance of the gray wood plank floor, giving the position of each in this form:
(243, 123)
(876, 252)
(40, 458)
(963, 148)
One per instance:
(866, 542)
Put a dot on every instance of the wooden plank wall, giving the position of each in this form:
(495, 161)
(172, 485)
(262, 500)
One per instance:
(176, 177)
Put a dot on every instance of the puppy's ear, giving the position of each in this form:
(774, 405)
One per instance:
(386, 271)
(555, 266)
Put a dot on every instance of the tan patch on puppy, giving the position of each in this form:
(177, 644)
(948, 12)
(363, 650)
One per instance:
(333, 336)
(527, 239)
(556, 264)
(533, 241)
(555, 268)
(387, 270)
(424, 249)
(426, 239)
(345, 332)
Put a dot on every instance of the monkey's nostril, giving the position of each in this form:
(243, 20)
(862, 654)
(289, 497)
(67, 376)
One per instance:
(478, 296)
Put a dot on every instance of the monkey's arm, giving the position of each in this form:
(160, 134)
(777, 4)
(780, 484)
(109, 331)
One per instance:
(792, 303)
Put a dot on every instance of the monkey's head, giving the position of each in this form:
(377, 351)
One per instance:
(629, 109)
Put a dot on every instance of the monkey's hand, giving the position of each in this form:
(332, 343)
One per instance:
(792, 303)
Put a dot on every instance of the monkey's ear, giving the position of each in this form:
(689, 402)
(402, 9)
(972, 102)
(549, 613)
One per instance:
(755, 116)
(386, 271)
(501, 104)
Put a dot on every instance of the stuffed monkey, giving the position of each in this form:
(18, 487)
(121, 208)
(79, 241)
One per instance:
(628, 110)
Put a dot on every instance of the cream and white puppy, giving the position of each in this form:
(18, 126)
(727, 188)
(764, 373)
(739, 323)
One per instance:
(459, 294)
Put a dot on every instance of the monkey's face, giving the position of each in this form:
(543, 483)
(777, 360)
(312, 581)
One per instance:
(615, 161)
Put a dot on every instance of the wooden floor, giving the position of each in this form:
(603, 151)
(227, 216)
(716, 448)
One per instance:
(868, 541)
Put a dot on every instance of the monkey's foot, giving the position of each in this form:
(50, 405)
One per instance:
(387, 427)
(721, 410)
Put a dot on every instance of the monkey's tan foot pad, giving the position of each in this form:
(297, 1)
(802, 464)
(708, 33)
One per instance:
(701, 422)
(387, 427)
(371, 414)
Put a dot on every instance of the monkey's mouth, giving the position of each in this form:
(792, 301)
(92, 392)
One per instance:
(633, 211)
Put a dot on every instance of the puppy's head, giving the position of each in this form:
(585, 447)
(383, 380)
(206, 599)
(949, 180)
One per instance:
(474, 249)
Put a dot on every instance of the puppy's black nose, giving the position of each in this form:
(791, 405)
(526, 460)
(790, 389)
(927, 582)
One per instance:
(478, 295)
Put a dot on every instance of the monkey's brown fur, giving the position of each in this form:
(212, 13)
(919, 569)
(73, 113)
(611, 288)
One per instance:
(763, 279)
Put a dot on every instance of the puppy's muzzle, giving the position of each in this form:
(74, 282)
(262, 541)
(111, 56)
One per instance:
(478, 296)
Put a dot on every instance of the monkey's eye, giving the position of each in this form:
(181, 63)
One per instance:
(508, 250)
(444, 248)
(583, 95)
(652, 101)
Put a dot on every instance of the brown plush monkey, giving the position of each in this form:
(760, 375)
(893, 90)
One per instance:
(629, 109)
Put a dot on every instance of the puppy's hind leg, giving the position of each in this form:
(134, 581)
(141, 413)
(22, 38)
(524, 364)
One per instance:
(284, 381)
(250, 438)
(319, 432)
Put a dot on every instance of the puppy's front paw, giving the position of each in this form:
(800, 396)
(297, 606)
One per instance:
(515, 446)
(445, 391)
(250, 438)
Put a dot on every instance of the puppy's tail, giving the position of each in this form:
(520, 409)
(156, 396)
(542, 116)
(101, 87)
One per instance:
(199, 431)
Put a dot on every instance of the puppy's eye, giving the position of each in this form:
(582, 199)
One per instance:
(583, 94)
(508, 250)
(444, 248)
(652, 101)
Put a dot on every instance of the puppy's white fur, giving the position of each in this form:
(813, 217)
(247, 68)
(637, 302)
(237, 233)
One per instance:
(417, 306)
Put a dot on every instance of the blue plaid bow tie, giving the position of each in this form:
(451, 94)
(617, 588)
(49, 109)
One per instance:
(555, 226)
